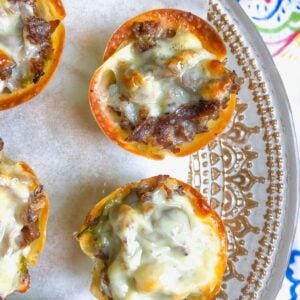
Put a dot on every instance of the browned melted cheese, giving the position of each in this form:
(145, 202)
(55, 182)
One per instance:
(157, 248)
(25, 44)
(16, 185)
(154, 91)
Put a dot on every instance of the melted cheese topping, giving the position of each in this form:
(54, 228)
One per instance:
(162, 252)
(15, 186)
(160, 79)
(14, 43)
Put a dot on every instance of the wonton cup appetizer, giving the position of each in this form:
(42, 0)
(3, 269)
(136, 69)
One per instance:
(23, 221)
(163, 88)
(156, 239)
(31, 42)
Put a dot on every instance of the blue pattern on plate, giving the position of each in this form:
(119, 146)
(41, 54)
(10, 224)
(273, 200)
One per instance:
(265, 12)
(290, 274)
(271, 13)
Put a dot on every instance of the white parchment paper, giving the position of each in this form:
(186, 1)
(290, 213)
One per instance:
(57, 135)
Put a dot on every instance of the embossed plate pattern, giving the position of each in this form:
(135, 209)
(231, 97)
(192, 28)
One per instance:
(249, 174)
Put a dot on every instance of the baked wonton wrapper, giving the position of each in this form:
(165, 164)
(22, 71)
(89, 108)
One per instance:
(30, 217)
(49, 10)
(136, 200)
(170, 21)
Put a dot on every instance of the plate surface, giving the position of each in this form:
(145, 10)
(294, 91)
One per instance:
(249, 174)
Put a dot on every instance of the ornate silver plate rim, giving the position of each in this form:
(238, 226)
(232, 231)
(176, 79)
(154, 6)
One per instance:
(288, 135)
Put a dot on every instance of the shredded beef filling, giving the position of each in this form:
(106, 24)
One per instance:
(38, 31)
(29, 234)
(144, 194)
(145, 191)
(145, 34)
(173, 129)
(6, 66)
(182, 125)
(30, 217)
(37, 67)
(6, 72)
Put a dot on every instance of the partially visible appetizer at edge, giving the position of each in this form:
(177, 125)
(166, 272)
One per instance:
(163, 88)
(23, 221)
(153, 240)
(31, 42)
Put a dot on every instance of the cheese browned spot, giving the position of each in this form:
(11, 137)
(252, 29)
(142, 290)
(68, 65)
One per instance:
(165, 87)
(151, 244)
(21, 200)
(25, 44)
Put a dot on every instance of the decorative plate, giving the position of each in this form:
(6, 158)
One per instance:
(249, 174)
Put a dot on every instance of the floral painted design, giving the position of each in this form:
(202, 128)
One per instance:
(293, 274)
(278, 21)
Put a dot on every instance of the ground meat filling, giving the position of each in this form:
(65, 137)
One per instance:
(173, 129)
(30, 217)
(6, 66)
(180, 124)
(39, 31)
(145, 34)
(145, 191)
(144, 194)
(37, 34)
(6, 71)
